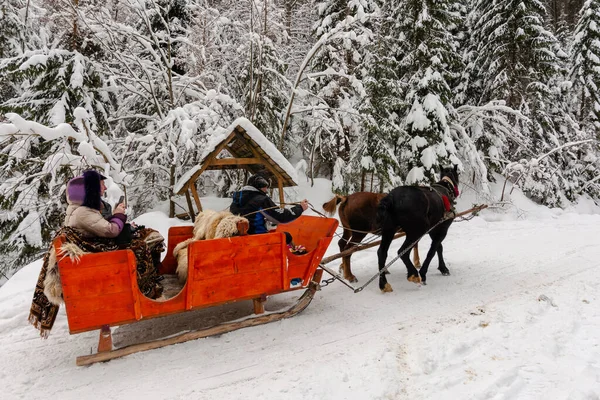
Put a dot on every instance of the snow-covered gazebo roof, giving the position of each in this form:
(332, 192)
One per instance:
(247, 149)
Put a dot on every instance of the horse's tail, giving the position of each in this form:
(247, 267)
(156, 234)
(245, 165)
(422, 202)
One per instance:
(383, 209)
(331, 205)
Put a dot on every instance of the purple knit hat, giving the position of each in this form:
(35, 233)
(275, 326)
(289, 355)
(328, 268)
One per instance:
(75, 191)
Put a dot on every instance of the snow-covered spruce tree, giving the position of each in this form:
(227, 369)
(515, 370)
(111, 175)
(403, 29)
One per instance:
(13, 30)
(17, 35)
(585, 72)
(262, 67)
(36, 161)
(557, 20)
(516, 61)
(52, 83)
(428, 58)
(334, 82)
(153, 62)
(383, 107)
(54, 87)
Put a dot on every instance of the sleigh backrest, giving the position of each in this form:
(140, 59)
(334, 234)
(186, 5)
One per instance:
(98, 288)
(177, 234)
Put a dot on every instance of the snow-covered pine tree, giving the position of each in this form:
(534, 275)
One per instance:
(16, 36)
(383, 107)
(337, 91)
(13, 28)
(53, 87)
(153, 62)
(36, 161)
(428, 59)
(516, 62)
(262, 67)
(585, 72)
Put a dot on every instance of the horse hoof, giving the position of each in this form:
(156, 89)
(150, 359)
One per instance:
(445, 272)
(387, 288)
(414, 278)
(352, 279)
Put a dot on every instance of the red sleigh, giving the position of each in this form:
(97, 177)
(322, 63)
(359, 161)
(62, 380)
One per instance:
(100, 290)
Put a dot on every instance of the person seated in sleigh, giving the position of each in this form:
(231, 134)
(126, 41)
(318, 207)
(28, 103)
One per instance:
(86, 230)
(253, 203)
(111, 232)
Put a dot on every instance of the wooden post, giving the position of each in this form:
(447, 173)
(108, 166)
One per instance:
(189, 203)
(196, 197)
(259, 304)
(105, 340)
(281, 196)
(317, 276)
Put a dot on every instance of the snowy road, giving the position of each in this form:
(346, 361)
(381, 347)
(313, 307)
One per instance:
(518, 319)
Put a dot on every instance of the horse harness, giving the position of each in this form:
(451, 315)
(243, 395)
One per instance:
(451, 192)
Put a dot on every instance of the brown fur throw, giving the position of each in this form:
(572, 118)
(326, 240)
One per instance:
(209, 224)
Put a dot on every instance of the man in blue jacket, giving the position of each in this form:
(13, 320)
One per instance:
(253, 203)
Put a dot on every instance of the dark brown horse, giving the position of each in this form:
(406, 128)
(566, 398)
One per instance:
(358, 213)
(417, 211)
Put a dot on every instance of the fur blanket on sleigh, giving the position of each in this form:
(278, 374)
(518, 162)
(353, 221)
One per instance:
(209, 224)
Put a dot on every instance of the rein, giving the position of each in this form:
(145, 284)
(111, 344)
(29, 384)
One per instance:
(270, 208)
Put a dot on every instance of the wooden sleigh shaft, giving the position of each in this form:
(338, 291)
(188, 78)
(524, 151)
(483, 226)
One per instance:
(106, 353)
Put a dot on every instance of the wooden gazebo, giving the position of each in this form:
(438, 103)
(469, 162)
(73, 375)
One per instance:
(242, 146)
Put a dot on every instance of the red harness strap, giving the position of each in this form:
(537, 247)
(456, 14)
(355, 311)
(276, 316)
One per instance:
(447, 205)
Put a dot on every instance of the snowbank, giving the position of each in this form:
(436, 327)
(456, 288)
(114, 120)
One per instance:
(517, 319)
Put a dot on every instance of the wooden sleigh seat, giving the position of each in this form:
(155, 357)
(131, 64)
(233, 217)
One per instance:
(100, 290)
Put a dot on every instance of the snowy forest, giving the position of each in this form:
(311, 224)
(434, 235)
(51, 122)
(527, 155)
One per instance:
(370, 94)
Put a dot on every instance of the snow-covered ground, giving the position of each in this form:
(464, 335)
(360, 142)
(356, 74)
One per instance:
(519, 318)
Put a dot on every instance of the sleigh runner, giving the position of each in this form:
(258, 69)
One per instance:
(100, 290)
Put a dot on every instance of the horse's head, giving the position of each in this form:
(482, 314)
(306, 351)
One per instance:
(450, 175)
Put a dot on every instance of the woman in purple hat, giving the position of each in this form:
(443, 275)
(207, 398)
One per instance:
(84, 196)
(86, 227)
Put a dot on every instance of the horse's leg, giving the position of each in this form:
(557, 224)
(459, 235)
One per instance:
(357, 237)
(416, 258)
(386, 239)
(437, 236)
(342, 243)
(442, 265)
(412, 274)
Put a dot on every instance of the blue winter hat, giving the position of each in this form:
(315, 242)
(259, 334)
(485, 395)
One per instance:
(258, 181)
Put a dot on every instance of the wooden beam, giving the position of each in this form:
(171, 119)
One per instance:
(223, 167)
(196, 197)
(237, 161)
(105, 341)
(259, 304)
(206, 162)
(281, 196)
(190, 206)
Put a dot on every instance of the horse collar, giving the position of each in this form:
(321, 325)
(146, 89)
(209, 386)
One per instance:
(453, 187)
(447, 179)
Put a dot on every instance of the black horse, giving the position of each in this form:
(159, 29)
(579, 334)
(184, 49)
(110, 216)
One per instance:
(415, 210)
